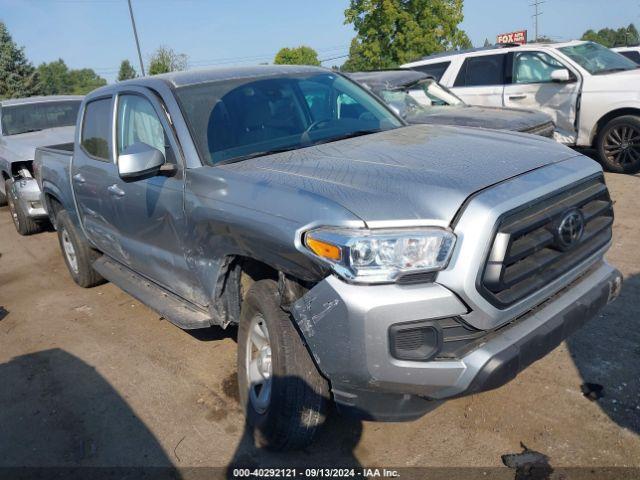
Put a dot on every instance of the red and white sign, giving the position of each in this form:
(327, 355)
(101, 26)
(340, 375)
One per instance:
(519, 37)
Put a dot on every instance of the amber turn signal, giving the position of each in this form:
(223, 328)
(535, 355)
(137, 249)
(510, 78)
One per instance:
(323, 249)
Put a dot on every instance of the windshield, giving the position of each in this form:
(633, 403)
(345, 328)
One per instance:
(243, 118)
(597, 59)
(32, 117)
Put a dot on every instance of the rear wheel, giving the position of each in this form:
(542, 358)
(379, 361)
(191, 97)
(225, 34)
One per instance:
(619, 145)
(77, 253)
(24, 224)
(283, 395)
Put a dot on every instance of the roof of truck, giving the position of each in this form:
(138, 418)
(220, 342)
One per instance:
(38, 99)
(193, 77)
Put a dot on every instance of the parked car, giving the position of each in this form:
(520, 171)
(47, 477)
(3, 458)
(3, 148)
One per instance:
(377, 265)
(418, 98)
(592, 93)
(632, 53)
(27, 123)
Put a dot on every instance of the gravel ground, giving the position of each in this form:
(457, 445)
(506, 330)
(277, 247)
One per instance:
(94, 378)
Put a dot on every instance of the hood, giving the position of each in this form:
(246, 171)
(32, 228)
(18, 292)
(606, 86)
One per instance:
(625, 81)
(485, 117)
(420, 172)
(22, 147)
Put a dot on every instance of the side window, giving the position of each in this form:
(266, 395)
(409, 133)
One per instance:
(96, 129)
(534, 67)
(481, 71)
(138, 123)
(434, 69)
(632, 55)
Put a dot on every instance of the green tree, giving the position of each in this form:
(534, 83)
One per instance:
(18, 77)
(392, 32)
(297, 56)
(610, 37)
(126, 71)
(165, 60)
(57, 79)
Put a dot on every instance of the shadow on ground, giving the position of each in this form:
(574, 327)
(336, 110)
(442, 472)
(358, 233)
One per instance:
(55, 410)
(606, 351)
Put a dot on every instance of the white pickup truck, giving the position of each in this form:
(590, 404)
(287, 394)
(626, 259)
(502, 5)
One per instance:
(592, 93)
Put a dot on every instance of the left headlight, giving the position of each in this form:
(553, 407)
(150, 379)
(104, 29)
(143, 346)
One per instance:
(381, 256)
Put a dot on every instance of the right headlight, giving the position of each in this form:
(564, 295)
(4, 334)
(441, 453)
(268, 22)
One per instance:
(381, 256)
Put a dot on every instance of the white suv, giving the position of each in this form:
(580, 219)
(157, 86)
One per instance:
(592, 93)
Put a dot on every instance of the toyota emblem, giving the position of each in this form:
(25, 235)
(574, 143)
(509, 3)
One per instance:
(571, 229)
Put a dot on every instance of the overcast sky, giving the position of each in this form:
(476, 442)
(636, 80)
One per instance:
(97, 33)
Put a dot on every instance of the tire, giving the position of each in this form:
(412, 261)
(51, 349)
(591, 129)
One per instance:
(3, 197)
(299, 395)
(77, 253)
(618, 145)
(24, 224)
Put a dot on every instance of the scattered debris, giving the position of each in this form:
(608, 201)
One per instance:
(593, 391)
(529, 464)
(176, 447)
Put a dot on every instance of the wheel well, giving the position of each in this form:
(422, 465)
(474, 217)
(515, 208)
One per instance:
(53, 207)
(238, 273)
(610, 116)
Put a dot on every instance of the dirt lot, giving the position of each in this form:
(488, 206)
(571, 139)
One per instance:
(92, 377)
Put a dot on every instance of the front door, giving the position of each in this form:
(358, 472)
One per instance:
(532, 87)
(150, 210)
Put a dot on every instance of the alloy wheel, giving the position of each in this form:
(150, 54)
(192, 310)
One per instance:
(622, 145)
(69, 250)
(258, 364)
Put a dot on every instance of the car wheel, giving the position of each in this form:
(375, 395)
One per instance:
(24, 224)
(619, 145)
(284, 397)
(3, 197)
(78, 254)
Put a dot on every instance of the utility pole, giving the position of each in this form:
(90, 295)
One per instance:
(135, 34)
(536, 5)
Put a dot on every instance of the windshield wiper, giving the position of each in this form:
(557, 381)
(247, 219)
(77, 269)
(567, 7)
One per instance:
(617, 69)
(263, 153)
(357, 133)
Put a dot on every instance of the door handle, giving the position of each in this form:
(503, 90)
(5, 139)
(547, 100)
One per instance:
(115, 191)
(517, 97)
(79, 179)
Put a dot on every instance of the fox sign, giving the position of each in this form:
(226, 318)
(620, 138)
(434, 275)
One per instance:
(519, 37)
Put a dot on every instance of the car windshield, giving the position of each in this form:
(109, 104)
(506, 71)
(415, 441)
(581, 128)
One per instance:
(32, 117)
(244, 118)
(419, 98)
(597, 59)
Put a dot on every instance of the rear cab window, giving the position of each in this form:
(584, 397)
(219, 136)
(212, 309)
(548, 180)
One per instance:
(481, 71)
(95, 138)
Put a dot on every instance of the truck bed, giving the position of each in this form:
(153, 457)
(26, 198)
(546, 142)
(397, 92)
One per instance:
(52, 163)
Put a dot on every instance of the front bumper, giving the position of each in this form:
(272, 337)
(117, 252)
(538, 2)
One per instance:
(26, 193)
(346, 327)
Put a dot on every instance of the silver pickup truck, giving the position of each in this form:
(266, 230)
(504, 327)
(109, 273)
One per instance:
(380, 266)
(27, 123)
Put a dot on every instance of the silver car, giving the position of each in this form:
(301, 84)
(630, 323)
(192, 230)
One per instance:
(27, 123)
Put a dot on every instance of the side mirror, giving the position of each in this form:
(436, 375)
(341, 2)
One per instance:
(561, 75)
(140, 160)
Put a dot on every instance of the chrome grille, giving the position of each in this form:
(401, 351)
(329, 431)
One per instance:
(530, 248)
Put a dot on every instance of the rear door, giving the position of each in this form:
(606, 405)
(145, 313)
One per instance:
(481, 80)
(533, 88)
(93, 172)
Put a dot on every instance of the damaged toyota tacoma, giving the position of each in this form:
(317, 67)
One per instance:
(380, 266)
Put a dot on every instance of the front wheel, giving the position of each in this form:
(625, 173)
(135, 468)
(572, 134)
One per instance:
(618, 145)
(284, 397)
